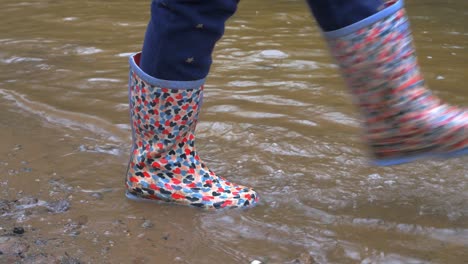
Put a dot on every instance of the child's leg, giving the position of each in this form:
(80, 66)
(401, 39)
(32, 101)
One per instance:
(181, 36)
(166, 94)
(373, 46)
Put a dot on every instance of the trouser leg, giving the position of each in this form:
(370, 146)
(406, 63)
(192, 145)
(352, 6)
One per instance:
(335, 14)
(181, 36)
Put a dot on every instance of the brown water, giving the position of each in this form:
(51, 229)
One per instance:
(276, 117)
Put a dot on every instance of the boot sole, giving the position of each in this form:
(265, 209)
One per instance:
(138, 199)
(390, 162)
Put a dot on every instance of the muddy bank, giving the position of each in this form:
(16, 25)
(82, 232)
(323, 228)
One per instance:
(45, 215)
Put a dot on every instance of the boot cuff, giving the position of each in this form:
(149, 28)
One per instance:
(134, 66)
(387, 11)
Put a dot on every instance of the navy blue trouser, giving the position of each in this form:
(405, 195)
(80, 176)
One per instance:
(181, 34)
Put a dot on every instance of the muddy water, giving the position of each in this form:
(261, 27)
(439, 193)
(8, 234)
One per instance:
(276, 117)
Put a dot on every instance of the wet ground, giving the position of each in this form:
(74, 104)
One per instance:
(276, 116)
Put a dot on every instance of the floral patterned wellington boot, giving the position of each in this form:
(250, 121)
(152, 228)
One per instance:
(403, 120)
(164, 164)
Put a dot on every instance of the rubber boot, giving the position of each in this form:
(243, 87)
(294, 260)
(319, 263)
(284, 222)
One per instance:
(403, 120)
(164, 164)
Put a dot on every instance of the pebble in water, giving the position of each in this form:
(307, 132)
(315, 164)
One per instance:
(69, 260)
(4, 206)
(27, 201)
(97, 196)
(304, 258)
(58, 206)
(147, 224)
(18, 230)
(17, 147)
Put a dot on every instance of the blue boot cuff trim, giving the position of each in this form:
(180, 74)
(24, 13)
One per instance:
(134, 61)
(402, 160)
(390, 10)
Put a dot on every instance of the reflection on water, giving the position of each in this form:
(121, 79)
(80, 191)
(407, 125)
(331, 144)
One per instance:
(276, 116)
